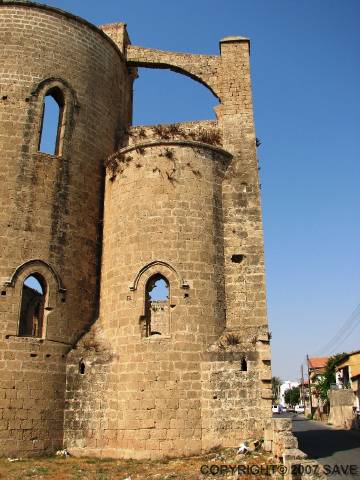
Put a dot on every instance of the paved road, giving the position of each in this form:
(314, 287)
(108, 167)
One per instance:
(328, 445)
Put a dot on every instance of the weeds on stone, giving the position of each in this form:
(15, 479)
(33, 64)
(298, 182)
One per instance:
(169, 153)
(115, 164)
(172, 131)
(91, 344)
(170, 176)
(166, 132)
(232, 339)
(142, 133)
(161, 131)
(212, 137)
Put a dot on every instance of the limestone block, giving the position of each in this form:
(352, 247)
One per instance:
(293, 454)
(282, 424)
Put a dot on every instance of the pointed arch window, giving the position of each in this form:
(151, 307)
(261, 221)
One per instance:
(157, 306)
(52, 124)
(34, 291)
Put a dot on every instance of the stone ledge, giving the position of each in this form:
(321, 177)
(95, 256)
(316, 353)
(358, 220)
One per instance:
(182, 143)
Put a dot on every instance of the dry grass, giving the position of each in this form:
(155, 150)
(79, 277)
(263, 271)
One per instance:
(232, 339)
(55, 468)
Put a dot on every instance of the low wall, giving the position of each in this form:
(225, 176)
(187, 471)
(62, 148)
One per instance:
(282, 443)
(342, 414)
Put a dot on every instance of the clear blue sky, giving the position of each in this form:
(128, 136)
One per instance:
(306, 85)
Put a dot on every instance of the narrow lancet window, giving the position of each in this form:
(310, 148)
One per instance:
(157, 309)
(52, 125)
(243, 365)
(32, 306)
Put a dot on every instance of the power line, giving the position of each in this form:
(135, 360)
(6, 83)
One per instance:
(341, 339)
(346, 329)
(348, 334)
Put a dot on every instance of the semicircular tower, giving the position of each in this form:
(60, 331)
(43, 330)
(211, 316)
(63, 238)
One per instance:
(179, 360)
(50, 221)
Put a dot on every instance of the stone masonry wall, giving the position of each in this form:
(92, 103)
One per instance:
(162, 215)
(181, 201)
(51, 205)
(342, 410)
(228, 76)
(180, 206)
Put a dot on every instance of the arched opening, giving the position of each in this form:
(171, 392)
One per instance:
(52, 123)
(243, 365)
(164, 96)
(158, 288)
(32, 306)
(157, 309)
(82, 367)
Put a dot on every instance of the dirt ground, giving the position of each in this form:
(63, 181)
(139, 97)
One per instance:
(212, 465)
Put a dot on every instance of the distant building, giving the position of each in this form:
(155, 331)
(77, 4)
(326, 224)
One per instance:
(316, 369)
(304, 394)
(348, 375)
(316, 366)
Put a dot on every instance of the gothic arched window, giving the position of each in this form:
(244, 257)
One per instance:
(156, 320)
(32, 306)
(52, 123)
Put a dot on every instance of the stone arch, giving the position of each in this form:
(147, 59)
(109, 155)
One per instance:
(53, 326)
(42, 87)
(155, 143)
(176, 292)
(157, 266)
(201, 68)
(35, 264)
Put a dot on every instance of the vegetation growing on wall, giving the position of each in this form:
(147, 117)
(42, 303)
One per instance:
(176, 131)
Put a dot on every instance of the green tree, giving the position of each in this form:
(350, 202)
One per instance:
(292, 396)
(323, 382)
(275, 387)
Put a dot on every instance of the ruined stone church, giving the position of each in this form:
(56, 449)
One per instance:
(132, 306)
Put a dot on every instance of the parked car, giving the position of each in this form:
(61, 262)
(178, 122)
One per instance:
(276, 409)
(283, 409)
(299, 409)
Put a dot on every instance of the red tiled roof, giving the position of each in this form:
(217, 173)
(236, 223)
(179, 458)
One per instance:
(317, 362)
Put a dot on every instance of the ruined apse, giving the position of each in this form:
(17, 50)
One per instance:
(132, 301)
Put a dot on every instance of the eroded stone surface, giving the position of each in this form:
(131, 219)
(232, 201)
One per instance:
(181, 201)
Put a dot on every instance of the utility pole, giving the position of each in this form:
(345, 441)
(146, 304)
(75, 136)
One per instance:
(302, 386)
(310, 396)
